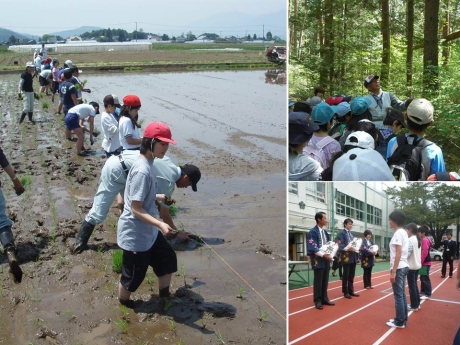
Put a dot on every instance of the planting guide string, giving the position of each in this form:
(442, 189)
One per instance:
(239, 275)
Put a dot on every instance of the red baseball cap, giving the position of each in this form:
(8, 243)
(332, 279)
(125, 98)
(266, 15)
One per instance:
(160, 131)
(131, 101)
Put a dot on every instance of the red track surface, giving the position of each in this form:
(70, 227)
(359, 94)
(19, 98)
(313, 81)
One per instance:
(362, 320)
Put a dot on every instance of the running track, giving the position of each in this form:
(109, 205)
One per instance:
(361, 320)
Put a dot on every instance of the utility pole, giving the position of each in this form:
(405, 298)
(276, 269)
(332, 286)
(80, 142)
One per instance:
(263, 32)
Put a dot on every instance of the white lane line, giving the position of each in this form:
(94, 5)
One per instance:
(341, 297)
(442, 300)
(339, 319)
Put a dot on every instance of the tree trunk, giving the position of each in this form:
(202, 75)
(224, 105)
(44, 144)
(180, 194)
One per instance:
(430, 49)
(343, 49)
(445, 33)
(293, 32)
(327, 56)
(385, 29)
(410, 45)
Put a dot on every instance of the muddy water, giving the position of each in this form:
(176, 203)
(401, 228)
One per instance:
(212, 107)
(233, 126)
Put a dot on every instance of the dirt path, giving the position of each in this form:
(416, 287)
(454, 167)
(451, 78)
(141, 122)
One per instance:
(65, 299)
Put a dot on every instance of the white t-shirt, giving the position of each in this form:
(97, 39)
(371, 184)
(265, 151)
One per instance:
(83, 111)
(399, 238)
(126, 130)
(109, 128)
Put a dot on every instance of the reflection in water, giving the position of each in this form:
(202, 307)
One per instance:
(275, 76)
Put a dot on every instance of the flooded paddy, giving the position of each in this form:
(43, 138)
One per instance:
(232, 125)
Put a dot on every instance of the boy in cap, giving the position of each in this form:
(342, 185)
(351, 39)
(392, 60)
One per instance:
(301, 167)
(26, 92)
(381, 100)
(321, 146)
(74, 120)
(393, 123)
(360, 162)
(342, 116)
(113, 181)
(140, 234)
(419, 116)
(68, 92)
(359, 109)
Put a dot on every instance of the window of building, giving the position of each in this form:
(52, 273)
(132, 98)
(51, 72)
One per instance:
(317, 191)
(293, 188)
(353, 208)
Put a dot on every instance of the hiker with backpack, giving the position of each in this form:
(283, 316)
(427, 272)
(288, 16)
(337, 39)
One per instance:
(321, 146)
(301, 167)
(393, 123)
(359, 161)
(341, 117)
(411, 157)
(359, 109)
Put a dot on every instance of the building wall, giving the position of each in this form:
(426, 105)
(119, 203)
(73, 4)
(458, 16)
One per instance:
(353, 199)
(84, 47)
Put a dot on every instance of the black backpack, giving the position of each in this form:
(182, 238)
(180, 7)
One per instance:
(406, 161)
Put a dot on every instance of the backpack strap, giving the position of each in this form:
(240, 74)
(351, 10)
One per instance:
(442, 176)
(325, 141)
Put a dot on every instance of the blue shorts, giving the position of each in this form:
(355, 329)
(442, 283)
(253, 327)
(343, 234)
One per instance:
(161, 257)
(71, 121)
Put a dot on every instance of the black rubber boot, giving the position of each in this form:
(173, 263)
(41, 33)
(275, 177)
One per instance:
(23, 116)
(30, 118)
(81, 241)
(7, 239)
(165, 292)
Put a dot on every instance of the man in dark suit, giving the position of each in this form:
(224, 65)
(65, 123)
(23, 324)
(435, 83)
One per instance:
(320, 262)
(349, 259)
(448, 255)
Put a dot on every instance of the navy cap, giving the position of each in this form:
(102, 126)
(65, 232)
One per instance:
(300, 128)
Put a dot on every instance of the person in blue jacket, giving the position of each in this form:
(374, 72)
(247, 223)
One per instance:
(367, 259)
(349, 259)
(320, 263)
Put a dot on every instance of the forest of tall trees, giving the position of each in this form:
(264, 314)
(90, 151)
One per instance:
(413, 46)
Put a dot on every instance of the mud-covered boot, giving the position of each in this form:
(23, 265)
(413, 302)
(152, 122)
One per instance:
(165, 292)
(30, 118)
(81, 241)
(23, 116)
(15, 269)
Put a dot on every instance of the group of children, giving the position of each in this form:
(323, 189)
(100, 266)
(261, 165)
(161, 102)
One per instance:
(340, 139)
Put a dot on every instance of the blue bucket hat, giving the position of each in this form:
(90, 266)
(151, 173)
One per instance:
(323, 113)
(300, 128)
(359, 105)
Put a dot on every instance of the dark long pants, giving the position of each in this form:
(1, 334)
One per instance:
(321, 281)
(444, 266)
(367, 273)
(348, 277)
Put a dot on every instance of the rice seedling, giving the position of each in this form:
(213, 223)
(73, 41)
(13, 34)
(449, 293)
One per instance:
(240, 292)
(172, 325)
(45, 105)
(117, 260)
(26, 181)
(219, 336)
(150, 280)
(262, 314)
(124, 312)
(169, 303)
(122, 325)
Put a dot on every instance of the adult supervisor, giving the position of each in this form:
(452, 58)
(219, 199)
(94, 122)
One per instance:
(381, 100)
(113, 181)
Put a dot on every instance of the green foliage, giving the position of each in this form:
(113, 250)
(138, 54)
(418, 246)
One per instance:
(25, 181)
(173, 210)
(434, 204)
(117, 260)
(45, 105)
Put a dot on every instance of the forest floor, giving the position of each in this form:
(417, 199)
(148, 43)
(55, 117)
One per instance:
(67, 299)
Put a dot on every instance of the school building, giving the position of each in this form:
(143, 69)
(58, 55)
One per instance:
(363, 202)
